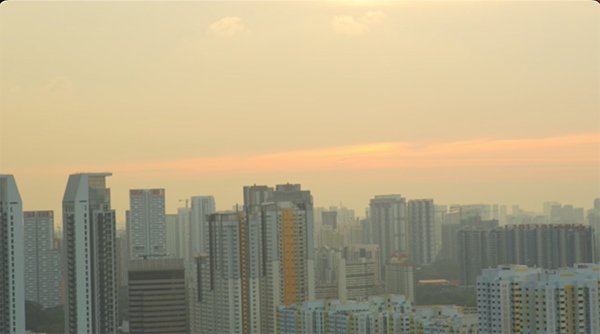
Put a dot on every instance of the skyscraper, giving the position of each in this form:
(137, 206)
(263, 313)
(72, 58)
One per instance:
(90, 252)
(288, 274)
(147, 226)
(222, 280)
(157, 296)
(388, 222)
(12, 285)
(202, 207)
(42, 260)
(421, 227)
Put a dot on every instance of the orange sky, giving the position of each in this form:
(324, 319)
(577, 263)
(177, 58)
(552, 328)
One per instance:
(462, 102)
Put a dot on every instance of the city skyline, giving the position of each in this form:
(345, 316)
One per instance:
(461, 102)
(348, 166)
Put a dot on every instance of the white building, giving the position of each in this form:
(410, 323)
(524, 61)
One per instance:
(202, 207)
(42, 260)
(147, 227)
(90, 255)
(519, 299)
(379, 314)
(178, 234)
(12, 262)
(220, 288)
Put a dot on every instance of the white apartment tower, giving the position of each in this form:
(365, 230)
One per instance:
(201, 208)
(221, 292)
(12, 285)
(42, 260)
(147, 226)
(421, 231)
(519, 299)
(90, 255)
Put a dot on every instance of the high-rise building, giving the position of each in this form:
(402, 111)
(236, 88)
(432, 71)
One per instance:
(275, 234)
(178, 234)
(225, 304)
(255, 195)
(90, 253)
(288, 272)
(421, 231)
(544, 246)
(388, 221)
(147, 229)
(172, 228)
(400, 278)
(350, 274)
(157, 296)
(122, 247)
(202, 207)
(12, 262)
(329, 218)
(566, 214)
(42, 259)
(520, 299)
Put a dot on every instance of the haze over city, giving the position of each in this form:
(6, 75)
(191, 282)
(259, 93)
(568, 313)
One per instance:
(462, 101)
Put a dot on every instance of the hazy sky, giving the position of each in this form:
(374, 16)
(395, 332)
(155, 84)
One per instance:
(462, 102)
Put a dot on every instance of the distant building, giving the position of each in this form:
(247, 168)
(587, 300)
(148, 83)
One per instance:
(90, 253)
(42, 259)
(421, 231)
(520, 299)
(400, 278)
(147, 230)
(329, 218)
(224, 302)
(389, 226)
(566, 214)
(12, 261)
(157, 297)
(350, 274)
(446, 319)
(178, 234)
(544, 246)
(201, 208)
(123, 255)
(379, 314)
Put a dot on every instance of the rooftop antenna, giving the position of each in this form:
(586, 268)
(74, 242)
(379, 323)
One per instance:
(187, 202)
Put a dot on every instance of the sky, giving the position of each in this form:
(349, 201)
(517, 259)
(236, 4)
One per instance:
(462, 102)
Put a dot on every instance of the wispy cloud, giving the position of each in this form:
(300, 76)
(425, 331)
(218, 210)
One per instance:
(228, 26)
(571, 151)
(356, 26)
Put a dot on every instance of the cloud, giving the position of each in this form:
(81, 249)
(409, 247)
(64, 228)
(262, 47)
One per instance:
(561, 152)
(228, 26)
(356, 26)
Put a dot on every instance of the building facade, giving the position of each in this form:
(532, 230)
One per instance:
(379, 314)
(90, 255)
(201, 208)
(520, 299)
(42, 259)
(157, 296)
(147, 226)
(545, 246)
(389, 226)
(12, 262)
(422, 231)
